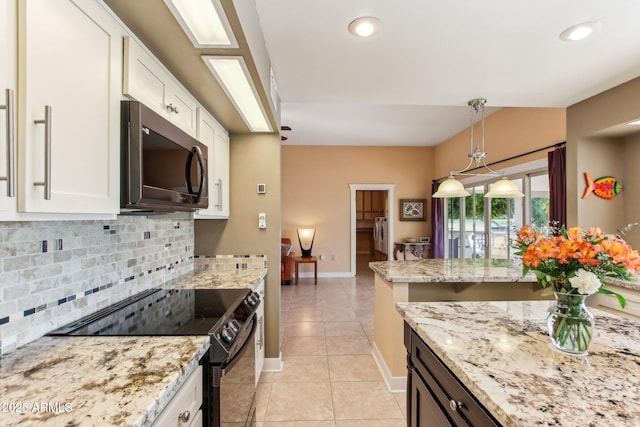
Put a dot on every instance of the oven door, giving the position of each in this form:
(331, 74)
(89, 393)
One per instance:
(233, 399)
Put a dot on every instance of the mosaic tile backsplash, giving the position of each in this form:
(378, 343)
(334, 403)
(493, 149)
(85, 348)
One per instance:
(52, 273)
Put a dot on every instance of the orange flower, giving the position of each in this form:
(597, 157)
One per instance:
(528, 234)
(546, 248)
(530, 258)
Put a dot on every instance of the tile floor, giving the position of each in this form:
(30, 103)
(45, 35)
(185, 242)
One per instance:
(330, 377)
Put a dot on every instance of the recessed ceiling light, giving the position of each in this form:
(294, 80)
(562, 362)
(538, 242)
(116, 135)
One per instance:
(364, 26)
(579, 31)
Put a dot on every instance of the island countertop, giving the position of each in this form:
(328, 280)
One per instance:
(465, 271)
(502, 353)
(450, 270)
(95, 381)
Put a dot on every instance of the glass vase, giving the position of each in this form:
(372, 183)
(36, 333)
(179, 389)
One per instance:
(570, 323)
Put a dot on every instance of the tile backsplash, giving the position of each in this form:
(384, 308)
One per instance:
(52, 273)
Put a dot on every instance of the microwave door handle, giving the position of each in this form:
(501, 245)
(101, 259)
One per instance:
(195, 150)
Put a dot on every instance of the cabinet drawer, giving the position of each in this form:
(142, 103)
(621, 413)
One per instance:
(453, 398)
(188, 398)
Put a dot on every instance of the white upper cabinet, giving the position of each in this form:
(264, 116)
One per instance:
(69, 68)
(216, 138)
(8, 58)
(147, 81)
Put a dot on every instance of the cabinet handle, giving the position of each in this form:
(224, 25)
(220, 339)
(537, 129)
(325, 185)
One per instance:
(455, 405)
(184, 417)
(219, 184)
(172, 108)
(47, 152)
(260, 339)
(11, 145)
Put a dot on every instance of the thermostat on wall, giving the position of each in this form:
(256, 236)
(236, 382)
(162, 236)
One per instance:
(262, 188)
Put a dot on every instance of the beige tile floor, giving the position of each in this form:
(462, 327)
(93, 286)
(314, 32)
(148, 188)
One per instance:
(330, 377)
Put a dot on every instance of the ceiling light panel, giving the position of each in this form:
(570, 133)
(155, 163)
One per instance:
(233, 75)
(204, 22)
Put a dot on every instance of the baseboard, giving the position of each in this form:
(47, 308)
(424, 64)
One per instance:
(273, 364)
(326, 275)
(394, 384)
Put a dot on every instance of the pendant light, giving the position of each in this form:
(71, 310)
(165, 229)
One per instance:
(503, 188)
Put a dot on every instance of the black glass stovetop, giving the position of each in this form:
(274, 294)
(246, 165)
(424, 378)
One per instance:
(160, 312)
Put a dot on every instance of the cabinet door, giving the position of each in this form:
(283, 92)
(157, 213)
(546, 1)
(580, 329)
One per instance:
(221, 174)
(70, 61)
(8, 60)
(213, 135)
(182, 108)
(425, 411)
(147, 81)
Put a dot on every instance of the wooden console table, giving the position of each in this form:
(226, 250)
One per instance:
(308, 260)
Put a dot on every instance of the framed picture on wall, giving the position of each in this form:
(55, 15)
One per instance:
(413, 209)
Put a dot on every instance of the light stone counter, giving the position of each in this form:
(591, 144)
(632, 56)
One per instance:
(436, 280)
(107, 381)
(433, 280)
(94, 381)
(214, 279)
(450, 270)
(501, 352)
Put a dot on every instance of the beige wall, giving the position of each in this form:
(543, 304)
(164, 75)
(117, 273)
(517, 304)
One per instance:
(254, 159)
(508, 132)
(316, 193)
(595, 145)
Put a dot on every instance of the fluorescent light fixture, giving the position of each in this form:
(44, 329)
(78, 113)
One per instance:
(204, 22)
(634, 123)
(233, 75)
(579, 31)
(364, 26)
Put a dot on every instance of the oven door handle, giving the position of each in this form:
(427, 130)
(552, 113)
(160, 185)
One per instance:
(248, 342)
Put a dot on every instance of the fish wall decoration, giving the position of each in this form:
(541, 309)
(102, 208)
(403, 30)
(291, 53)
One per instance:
(606, 187)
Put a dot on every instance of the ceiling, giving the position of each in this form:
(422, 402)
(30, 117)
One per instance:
(409, 84)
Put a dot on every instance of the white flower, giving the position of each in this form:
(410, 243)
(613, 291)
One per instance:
(586, 282)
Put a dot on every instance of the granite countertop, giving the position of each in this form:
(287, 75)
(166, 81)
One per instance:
(502, 353)
(118, 381)
(246, 278)
(450, 270)
(465, 270)
(91, 381)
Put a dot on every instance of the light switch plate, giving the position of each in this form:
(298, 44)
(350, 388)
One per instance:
(262, 220)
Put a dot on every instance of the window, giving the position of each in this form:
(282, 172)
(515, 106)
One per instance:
(484, 228)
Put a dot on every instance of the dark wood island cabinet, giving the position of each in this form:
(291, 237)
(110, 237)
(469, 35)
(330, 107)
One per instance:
(435, 397)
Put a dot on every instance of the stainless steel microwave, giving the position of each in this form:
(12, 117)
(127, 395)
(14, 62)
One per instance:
(163, 168)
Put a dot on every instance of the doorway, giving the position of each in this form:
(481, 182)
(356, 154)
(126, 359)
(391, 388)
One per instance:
(369, 201)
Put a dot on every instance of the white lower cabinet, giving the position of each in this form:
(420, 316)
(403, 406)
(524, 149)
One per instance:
(147, 81)
(69, 74)
(184, 409)
(216, 138)
(259, 288)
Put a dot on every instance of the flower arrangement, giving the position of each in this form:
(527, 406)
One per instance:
(575, 261)
(573, 264)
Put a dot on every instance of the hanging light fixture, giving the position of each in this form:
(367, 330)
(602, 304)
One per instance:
(503, 188)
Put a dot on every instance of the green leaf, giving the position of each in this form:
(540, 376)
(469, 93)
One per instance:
(621, 299)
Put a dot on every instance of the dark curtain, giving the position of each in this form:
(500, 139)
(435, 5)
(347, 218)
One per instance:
(558, 187)
(437, 227)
